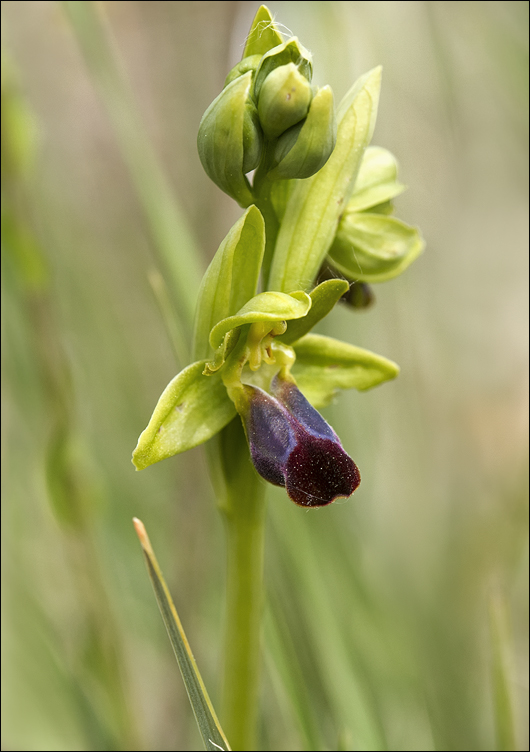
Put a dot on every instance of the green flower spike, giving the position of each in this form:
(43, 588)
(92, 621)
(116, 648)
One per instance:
(255, 352)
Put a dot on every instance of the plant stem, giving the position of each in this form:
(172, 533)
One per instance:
(262, 188)
(243, 508)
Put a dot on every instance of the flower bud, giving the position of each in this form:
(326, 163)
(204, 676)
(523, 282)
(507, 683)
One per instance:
(230, 139)
(359, 295)
(284, 100)
(249, 63)
(305, 148)
(374, 247)
(288, 52)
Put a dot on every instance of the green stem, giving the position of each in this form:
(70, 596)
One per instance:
(262, 188)
(243, 508)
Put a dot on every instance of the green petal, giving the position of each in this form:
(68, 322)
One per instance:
(377, 180)
(191, 410)
(324, 298)
(324, 365)
(223, 138)
(373, 247)
(314, 209)
(232, 277)
(304, 150)
(263, 34)
(267, 306)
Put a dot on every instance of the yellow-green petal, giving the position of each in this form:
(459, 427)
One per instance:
(267, 306)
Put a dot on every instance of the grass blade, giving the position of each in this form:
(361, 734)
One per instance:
(211, 731)
(502, 674)
(173, 238)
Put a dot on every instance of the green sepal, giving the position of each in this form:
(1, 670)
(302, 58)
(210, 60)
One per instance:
(232, 277)
(290, 51)
(377, 181)
(324, 365)
(374, 247)
(312, 215)
(386, 208)
(267, 306)
(230, 139)
(305, 148)
(263, 34)
(324, 297)
(191, 410)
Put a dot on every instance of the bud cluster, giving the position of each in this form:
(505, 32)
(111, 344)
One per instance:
(269, 116)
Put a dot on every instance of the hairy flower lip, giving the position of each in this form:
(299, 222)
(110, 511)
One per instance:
(291, 445)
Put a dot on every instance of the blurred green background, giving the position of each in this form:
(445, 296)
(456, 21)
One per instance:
(395, 620)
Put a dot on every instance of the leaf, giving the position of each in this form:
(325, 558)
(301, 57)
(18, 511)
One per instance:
(232, 277)
(377, 180)
(374, 247)
(220, 140)
(324, 298)
(324, 365)
(209, 726)
(263, 34)
(267, 306)
(191, 410)
(314, 209)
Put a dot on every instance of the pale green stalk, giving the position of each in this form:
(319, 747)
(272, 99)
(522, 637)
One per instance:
(243, 509)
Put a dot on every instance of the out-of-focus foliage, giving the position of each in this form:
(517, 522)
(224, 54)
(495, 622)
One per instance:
(395, 620)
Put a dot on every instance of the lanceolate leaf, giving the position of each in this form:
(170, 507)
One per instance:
(209, 727)
(232, 277)
(191, 410)
(324, 365)
(314, 209)
(267, 306)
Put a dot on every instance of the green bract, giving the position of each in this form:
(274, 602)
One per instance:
(321, 197)
(315, 206)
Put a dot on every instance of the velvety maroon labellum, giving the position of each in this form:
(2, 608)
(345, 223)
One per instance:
(291, 445)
